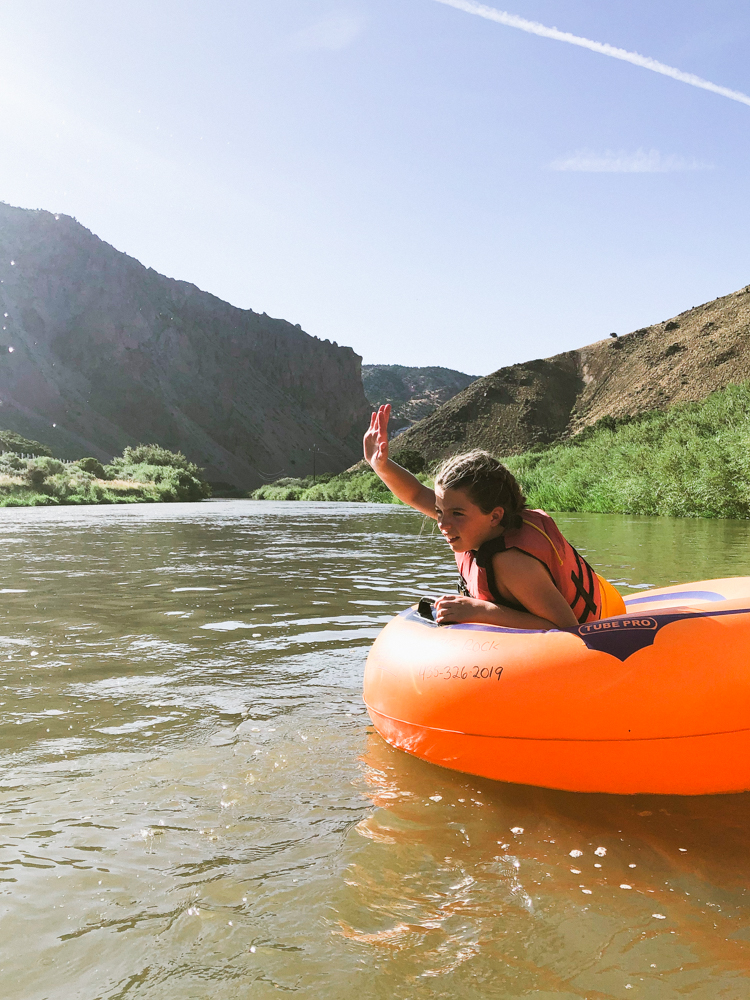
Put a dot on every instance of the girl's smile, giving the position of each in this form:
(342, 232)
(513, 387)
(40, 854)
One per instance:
(463, 524)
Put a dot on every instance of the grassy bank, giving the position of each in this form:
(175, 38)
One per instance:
(691, 460)
(144, 474)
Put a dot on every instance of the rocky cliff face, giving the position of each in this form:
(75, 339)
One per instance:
(98, 352)
(414, 393)
(680, 360)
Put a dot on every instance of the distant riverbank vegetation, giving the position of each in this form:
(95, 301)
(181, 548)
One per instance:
(353, 487)
(690, 460)
(147, 473)
(357, 485)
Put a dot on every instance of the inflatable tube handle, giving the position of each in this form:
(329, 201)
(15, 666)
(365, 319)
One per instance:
(424, 608)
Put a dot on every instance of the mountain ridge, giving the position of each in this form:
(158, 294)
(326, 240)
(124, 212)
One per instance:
(540, 402)
(107, 353)
(414, 392)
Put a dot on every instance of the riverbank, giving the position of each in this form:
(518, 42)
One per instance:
(144, 474)
(689, 460)
(351, 486)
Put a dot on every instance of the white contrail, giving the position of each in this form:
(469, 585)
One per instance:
(640, 162)
(534, 28)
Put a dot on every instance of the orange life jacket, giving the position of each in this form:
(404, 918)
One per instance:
(540, 538)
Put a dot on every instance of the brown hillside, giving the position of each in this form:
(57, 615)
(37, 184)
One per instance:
(539, 402)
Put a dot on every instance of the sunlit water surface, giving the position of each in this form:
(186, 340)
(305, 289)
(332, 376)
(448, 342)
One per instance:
(194, 805)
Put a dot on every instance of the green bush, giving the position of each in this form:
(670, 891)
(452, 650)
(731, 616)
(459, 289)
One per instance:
(10, 441)
(154, 454)
(47, 481)
(38, 470)
(34, 476)
(11, 464)
(49, 466)
(171, 484)
(93, 466)
(410, 459)
(174, 478)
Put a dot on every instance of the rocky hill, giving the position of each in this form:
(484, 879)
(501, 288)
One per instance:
(98, 352)
(414, 393)
(539, 402)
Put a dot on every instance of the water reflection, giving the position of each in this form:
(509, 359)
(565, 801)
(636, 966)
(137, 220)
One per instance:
(576, 894)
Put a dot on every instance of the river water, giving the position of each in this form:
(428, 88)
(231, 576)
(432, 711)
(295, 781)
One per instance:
(194, 805)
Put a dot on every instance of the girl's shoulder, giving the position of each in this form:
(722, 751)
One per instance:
(537, 534)
(536, 512)
(532, 519)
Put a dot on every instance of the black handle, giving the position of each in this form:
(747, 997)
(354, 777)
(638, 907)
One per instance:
(424, 608)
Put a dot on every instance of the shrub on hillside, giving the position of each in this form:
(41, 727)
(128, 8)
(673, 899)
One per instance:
(93, 466)
(154, 454)
(11, 464)
(172, 484)
(174, 477)
(38, 470)
(50, 466)
(410, 459)
(12, 442)
(34, 476)
(45, 480)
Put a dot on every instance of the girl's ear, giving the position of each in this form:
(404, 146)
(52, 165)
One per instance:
(497, 516)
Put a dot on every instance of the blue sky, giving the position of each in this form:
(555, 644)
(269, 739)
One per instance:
(422, 184)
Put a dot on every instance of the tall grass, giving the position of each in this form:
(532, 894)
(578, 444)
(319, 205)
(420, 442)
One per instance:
(691, 460)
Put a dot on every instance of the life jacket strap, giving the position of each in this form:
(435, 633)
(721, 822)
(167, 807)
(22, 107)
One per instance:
(583, 593)
(483, 557)
(545, 535)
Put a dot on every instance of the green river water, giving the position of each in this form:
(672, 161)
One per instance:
(193, 803)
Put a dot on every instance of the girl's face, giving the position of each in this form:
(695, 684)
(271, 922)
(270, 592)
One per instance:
(464, 525)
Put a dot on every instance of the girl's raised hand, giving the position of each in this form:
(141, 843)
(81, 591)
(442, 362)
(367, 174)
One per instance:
(375, 442)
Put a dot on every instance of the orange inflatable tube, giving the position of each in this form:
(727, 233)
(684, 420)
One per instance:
(656, 700)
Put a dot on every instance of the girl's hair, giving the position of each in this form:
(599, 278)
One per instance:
(488, 483)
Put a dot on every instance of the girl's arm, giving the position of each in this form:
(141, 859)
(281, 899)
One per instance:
(399, 481)
(450, 610)
(525, 579)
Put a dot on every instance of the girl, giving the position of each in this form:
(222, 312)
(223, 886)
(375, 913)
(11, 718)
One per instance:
(516, 568)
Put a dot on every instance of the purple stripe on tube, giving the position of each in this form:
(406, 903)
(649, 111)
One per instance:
(696, 595)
